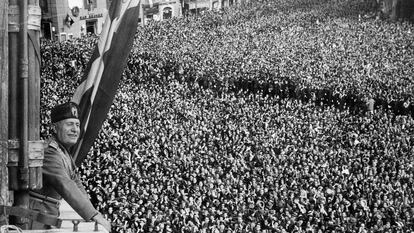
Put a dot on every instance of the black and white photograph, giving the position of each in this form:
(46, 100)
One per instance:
(207, 116)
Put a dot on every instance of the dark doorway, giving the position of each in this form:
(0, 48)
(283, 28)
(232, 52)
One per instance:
(46, 28)
(91, 26)
(167, 13)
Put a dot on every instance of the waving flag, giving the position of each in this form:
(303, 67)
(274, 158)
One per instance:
(98, 87)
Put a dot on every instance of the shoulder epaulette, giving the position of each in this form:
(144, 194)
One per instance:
(51, 143)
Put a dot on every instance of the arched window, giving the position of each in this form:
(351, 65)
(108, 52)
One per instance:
(167, 13)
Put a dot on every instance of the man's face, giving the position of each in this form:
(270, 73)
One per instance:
(67, 131)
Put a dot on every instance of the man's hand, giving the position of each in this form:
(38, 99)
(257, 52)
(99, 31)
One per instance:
(101, 220)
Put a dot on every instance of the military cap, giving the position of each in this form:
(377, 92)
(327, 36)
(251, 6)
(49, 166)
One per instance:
(64, 111)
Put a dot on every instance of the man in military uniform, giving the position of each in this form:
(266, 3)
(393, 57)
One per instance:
(59, 177)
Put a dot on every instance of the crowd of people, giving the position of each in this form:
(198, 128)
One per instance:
(348, 56)
(244, 121)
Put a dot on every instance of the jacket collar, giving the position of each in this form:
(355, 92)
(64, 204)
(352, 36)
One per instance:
(54, 143)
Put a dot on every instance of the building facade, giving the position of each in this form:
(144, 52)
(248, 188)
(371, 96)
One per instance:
(196, 6)
(66, 19)
(62, 20)
(157, 10)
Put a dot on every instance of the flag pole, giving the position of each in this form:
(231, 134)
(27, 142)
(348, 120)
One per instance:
(4, 106)
(35, 172)
(21, 195)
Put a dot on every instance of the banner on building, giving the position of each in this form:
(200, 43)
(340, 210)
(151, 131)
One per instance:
(150, 7)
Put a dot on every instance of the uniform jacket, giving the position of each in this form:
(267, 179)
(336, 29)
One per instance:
(61, 181)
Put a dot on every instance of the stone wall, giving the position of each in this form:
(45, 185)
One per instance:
(397, 9)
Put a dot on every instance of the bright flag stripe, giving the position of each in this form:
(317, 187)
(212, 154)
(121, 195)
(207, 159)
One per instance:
(97, 90)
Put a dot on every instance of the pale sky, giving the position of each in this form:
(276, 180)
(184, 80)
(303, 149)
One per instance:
(73, 3)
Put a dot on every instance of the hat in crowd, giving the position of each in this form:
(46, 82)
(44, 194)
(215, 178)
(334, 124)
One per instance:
(64, 111)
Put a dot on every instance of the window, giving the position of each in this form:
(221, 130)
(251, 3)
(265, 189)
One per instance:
(46, 29)
(167, 13)
(91, 26)
(62, 36)
(90, 4)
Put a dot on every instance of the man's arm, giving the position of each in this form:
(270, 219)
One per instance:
(101, 220)
(80, 185)
(55, 175)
